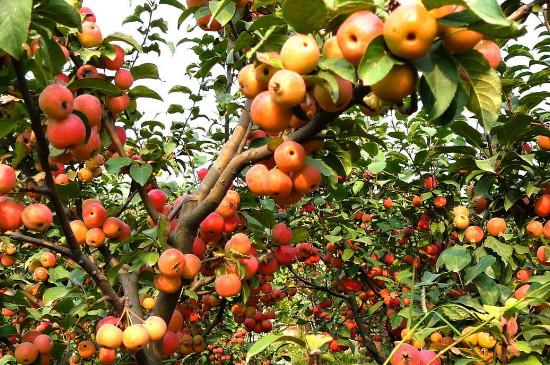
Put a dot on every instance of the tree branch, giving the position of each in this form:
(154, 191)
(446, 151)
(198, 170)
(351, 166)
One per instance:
(315, 286)
(127, 202)
(525, 10)
(369, 344)
(43, 154)
(226, 154)
(216, 319)
(36, 241)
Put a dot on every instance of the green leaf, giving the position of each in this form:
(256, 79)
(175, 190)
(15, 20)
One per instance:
(512, 30)
(526, 360)
(454, 258)
(487, 10)
(141, 174)
(68, 191)
(174, 3)
(191, 294)
(60, 12)
(347, 254)
(114, 165)
(511, 197)
(470, 134)
(377, 166)
(15, 18)
(6, 126)
(54, 293)
(485, 89)
(8, 331)
(343, 156)
(145, 71)
(121, 37)
(489, 164)
(339, 67)
(6, 359)
(510, 132)
(504, 250)
(441, 75)
(144, 92)
(150, 258)
(455, 109)
(100, 85)
(305, 16)
(324, 169)
(376, 62)
(489, 291)
(222, 11)
(480, 267)
(264, 342)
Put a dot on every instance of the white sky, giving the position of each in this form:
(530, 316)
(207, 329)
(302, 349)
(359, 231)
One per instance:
(111, 13)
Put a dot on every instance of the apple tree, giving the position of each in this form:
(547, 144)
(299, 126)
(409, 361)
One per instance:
(367, 175)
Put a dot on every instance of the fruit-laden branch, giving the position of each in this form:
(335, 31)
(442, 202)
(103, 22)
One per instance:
(249, 157)
(365, 338)
(36, 241)
(219, 179)
(43, 156)
(217, 319)
(142, 191)
(314, 286)
(525, 10)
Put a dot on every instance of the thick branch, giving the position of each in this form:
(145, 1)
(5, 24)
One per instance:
(369, 344)
(36, 241)
(219, 179)
(227, 153)
(43, 157)
(238, 163)
(147, 203)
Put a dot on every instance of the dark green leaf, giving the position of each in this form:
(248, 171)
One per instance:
(60, 12)
(480, 267)
(441, 74)
(470, 134)
(504, 250)
(489, 291)
(145, 71)
(143, 92)
(100, 85)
